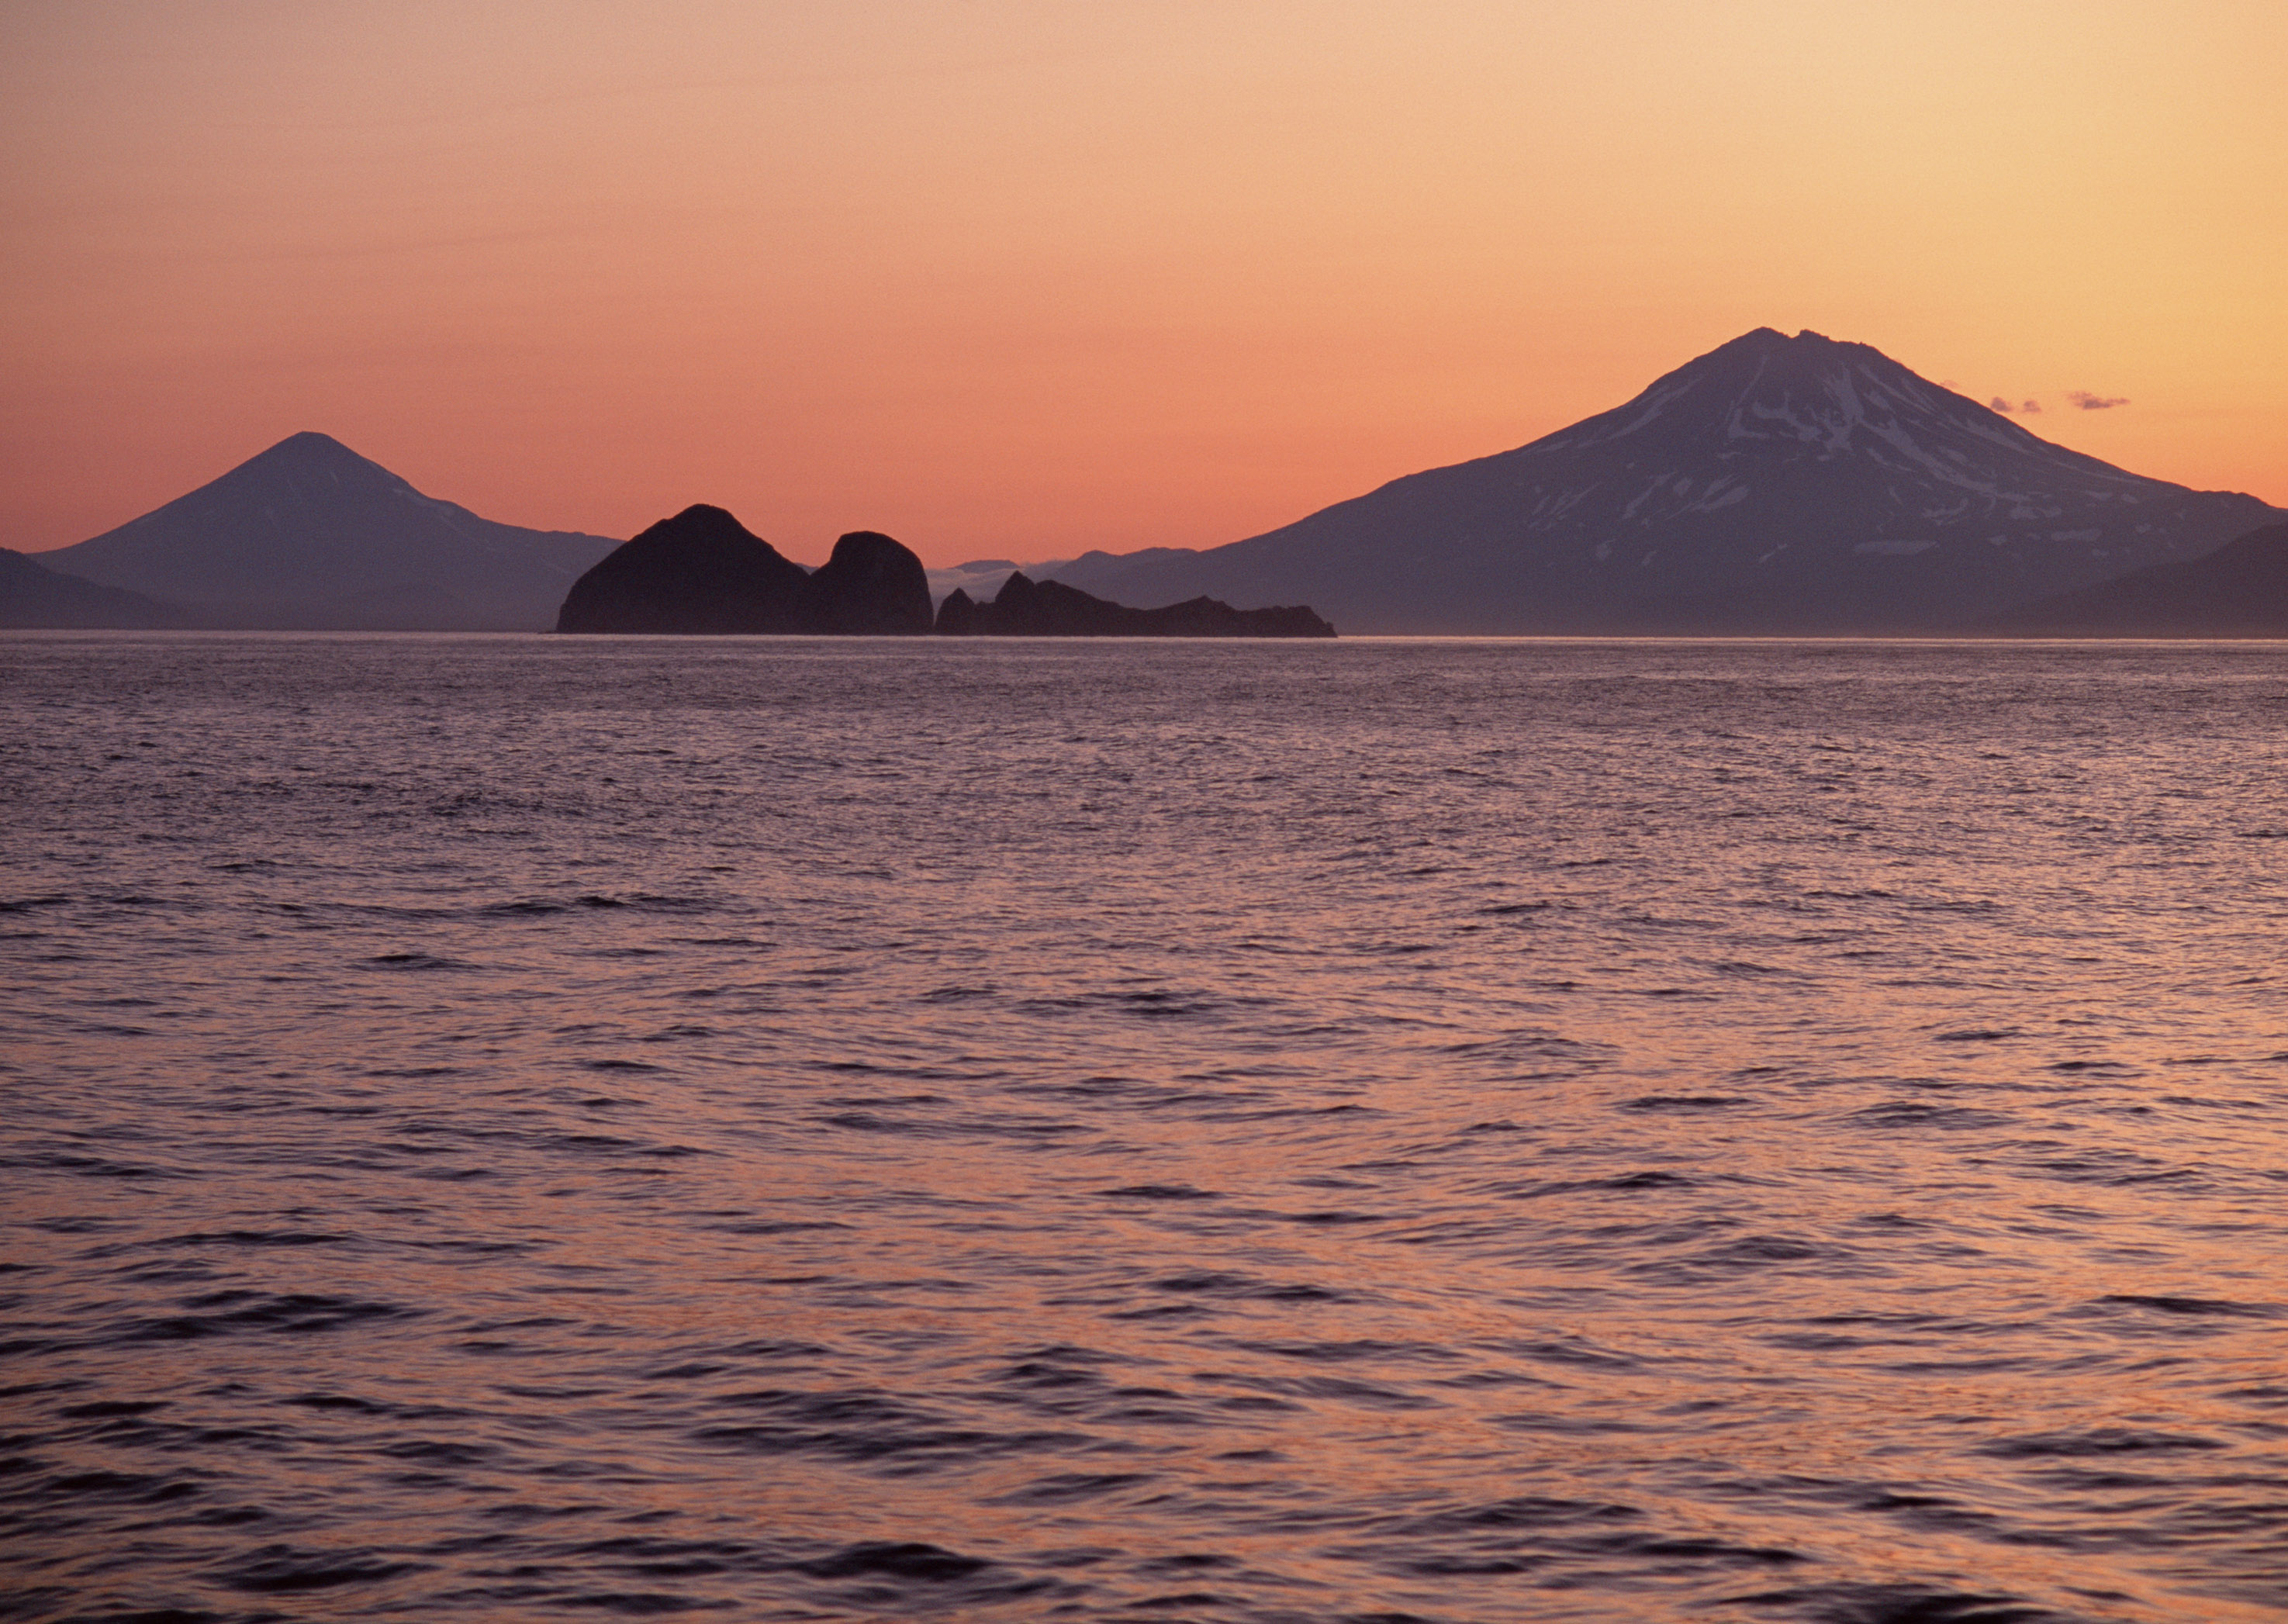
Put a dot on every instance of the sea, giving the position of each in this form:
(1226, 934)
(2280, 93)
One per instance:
(535, 1128)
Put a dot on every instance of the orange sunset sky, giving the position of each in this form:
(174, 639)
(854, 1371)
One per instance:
(1018, 278)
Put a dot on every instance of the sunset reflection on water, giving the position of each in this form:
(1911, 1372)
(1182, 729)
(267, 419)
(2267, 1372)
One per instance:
(1459, 1130)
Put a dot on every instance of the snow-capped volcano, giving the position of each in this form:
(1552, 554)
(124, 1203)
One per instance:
(1775, 484)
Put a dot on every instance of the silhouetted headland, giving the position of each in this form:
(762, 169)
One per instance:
(1028, 608)
(34, 597)
(2239, 590)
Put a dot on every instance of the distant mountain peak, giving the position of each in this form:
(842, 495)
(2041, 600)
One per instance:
(1766, 337)
(1813, 396)
(306, 447)
(311, 439)
(1802, 484)
(309, 533)
(311, 453)
(1764, 341)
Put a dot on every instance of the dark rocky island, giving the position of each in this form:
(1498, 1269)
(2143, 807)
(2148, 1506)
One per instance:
(703, 572)
(871, 587)
(1028, 608)
(2239, 590)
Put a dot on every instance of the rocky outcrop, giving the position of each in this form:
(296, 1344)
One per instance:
(2239, 590)
(32, 596)
(956, 616)
(871, 587)
(1028, 608)
(700, 571)
(703, 572)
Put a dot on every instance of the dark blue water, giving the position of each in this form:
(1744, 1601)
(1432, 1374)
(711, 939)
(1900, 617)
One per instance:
(511, 1128)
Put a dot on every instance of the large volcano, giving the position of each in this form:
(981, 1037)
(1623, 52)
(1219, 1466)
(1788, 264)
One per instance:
(309, 533)
(1774, 485)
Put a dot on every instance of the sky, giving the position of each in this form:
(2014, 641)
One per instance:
(1019, 278)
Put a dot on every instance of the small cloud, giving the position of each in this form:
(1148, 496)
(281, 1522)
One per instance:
(1998, 404)
(2089, 402)
(2031, 406)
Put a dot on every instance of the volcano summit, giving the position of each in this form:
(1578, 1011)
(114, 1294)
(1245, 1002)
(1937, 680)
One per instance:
(1775, 484)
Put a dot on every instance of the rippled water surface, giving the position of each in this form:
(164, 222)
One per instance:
(534, 1127)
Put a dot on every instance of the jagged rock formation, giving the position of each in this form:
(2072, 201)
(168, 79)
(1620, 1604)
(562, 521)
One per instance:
(703, 572)
(872, 586)
(957, 616)
(2239, 590)
(1027, 609)
(310, 535)
(1775, 484)
(981, 578)
(34, 597)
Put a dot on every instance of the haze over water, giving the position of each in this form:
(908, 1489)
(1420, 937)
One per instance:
(519, 1128)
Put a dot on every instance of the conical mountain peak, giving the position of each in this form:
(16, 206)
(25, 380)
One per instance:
(309, 533)
(310, 442)
(310, 449)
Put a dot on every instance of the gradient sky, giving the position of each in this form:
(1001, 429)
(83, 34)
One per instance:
(1018, 278)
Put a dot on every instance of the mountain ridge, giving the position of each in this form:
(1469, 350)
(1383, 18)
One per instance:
(1781, 485)
(34, 598)
(2239, 590)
